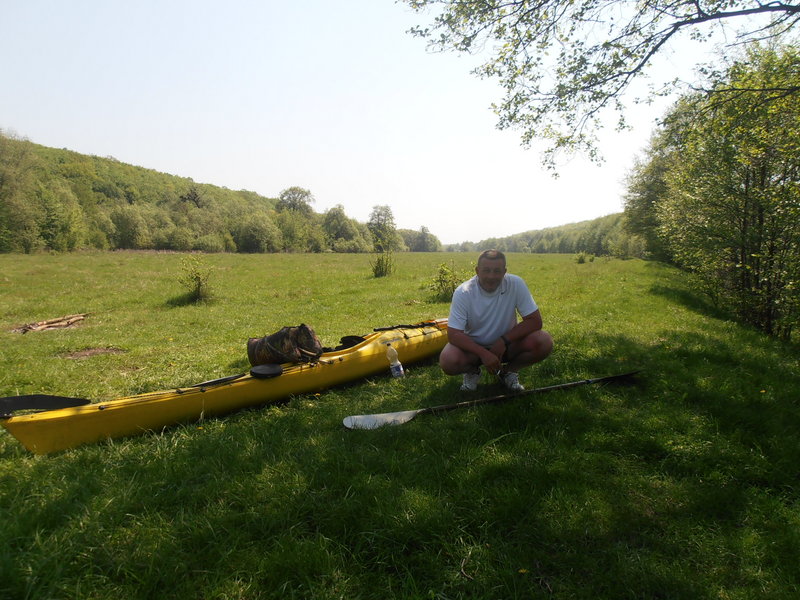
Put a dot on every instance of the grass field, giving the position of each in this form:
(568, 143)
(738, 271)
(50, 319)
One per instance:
(684, 485)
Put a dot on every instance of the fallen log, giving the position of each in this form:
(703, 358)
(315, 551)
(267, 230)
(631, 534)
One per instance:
(59, 322)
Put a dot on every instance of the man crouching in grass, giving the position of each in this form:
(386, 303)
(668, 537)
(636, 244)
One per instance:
(482, 328)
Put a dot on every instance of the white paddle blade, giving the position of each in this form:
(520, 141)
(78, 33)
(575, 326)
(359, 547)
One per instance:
(376, 421)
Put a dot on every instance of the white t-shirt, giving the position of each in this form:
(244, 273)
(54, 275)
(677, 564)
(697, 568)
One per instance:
(486, 316)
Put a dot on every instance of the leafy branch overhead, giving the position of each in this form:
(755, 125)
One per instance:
(563, 63)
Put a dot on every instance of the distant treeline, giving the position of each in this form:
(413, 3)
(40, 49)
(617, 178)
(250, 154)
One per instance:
(59, 200)
(605, 236)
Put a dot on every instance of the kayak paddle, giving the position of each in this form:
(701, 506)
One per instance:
(398, 418)
(37, 402)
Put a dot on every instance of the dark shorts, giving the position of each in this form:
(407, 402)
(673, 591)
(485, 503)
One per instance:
(505, 358)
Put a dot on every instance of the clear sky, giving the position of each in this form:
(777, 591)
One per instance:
(334, 97)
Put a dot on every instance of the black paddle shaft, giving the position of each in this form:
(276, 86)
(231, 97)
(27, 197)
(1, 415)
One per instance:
(541, 390)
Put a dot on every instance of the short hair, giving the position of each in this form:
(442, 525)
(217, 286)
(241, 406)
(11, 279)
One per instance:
(492, 255)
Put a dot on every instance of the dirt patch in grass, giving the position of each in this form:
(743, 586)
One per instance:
(78, 354)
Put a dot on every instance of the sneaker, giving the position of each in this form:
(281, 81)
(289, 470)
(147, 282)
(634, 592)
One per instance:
(511, 380)
(470, 382)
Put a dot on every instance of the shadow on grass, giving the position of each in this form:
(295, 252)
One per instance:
(618, 482)
(240, 364)
(189, 299)
(680, 486)
(694, 301)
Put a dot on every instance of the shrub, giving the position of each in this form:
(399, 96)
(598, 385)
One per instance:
(446, 280)
(194, 276)
(383, 264)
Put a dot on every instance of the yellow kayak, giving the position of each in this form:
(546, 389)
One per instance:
(63, 428)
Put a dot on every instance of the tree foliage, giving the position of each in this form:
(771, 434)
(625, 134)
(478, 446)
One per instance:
(604, 236)
(561, 63)
(728, 199)
(19, 218)
(344, 234)
(385, 236)
(420, 241)
(257, 233)
(296, 199)
(647, 185)
(59, 200)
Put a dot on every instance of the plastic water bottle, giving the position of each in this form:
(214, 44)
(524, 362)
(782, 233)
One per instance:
(394, 362)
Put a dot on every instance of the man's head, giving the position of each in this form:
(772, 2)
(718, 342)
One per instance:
(491, 269)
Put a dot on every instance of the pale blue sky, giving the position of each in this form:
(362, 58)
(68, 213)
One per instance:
(334, 97)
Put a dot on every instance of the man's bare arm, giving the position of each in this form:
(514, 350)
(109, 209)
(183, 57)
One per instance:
(462, 341)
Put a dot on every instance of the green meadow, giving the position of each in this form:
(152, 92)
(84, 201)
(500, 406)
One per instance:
(683, 484)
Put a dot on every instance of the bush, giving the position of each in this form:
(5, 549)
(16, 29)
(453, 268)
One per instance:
(383, 264)
(194, 276)
(584, 257)
(446, 280)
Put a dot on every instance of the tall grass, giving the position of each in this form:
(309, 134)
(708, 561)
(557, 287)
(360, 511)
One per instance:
(683, 486)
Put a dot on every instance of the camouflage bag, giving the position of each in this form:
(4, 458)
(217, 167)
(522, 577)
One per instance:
(289, 345)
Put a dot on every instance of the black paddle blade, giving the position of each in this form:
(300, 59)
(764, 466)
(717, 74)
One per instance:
(37, 402)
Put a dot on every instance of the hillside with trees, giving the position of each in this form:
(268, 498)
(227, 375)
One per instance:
(605, 236)
(59, 200)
